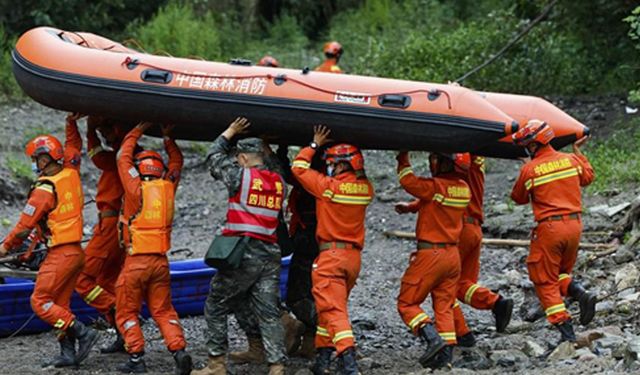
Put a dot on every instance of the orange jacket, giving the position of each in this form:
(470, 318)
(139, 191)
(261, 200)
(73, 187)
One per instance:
(551, 182)
(443, 201)
(42, 199)
(130, 177)
(109, 191)
(475, 180)
(341, 201)
(330, 66)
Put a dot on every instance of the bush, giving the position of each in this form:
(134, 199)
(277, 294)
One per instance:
(19, 168)
(634, 33)
(9, 88)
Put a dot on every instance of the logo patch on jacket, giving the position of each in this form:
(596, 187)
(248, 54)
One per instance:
(29, 210)
(133, 172)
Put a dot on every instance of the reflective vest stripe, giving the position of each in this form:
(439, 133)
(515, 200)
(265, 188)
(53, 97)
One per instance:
(250, 228)
(567, 173)
(253, 210)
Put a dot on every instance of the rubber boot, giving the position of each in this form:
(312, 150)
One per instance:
(466, 341)
(215, 366)
(347, 364)
(276, 369)
(115, 347)
(87, 337)
(183, 362)
(443, 358)
(307, 348)
(502, 312)
(323, 361)
(255, 353)
(587, 302)
(67, 356)
(433, 342)
(293, 330)
(135, 364)
(566, 331)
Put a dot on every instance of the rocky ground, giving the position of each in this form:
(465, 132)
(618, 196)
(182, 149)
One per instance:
(612, 340)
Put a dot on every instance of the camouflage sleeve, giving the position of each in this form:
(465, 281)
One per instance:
(223, 166)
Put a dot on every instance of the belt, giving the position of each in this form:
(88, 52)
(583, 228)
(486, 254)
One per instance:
(108, 213)
(575, 216)
(424, 245)
(338, 245)
(471, 220)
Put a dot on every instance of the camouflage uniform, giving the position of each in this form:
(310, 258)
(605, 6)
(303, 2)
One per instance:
(255, 283)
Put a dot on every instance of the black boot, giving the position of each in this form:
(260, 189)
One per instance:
(323, 361)
(86, 336)
(502, 312)
(443, 358)
(566, 330)
(135, 364)
(183, 362)
(115, 347)
(587, 302)
(434, 343)
(67, 355)
(347, 363)
(467, 341)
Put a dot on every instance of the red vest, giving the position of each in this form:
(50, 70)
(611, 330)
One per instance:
(254, 210)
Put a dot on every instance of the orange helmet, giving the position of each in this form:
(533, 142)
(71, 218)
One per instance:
(149, 163)
(269, 61)
(332, 49)
(535, 131)
(45, 144)
(345, 153)
(462, 161)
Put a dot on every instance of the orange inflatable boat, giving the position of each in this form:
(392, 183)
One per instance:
(89, 74)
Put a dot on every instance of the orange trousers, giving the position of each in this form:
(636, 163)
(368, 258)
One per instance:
(435, 272)
(103, 262)
(554, 248)
(146, 277)
(54, 285)
(469, 291)
(333, 275)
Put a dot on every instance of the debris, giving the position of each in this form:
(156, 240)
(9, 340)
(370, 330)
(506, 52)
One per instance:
(509, 358)
(565, 350)
(532, 349)
(584, 354)
(627, 277)
(632, 352)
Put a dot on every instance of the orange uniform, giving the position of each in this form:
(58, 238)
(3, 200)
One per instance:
(55, 208)
(145, 275)
(329, 66)
(470, 244)
(104, 255)
(551, 182)
(341, 204)
(435, 267)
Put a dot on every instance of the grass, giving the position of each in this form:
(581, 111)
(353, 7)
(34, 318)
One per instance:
(19, 168)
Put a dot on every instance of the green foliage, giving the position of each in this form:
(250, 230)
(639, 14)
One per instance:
(19, 167)
(634, 33)
(9, 88)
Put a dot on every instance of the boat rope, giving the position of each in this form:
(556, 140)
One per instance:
(23, 326)
(283, 78)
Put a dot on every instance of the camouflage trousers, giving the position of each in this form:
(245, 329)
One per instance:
(256, 285)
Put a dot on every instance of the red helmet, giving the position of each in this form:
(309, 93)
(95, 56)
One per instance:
(149, 163)
(269, 61)
(462, 161)
(45, 144)
(535, 131)
(332, 49)
(345, 153)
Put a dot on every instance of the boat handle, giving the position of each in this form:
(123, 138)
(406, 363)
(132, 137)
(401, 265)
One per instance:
(156, 76)
(394, 100)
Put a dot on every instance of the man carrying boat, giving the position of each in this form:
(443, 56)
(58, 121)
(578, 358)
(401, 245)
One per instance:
(434, 268)
(332, 53)
(256, 196)
(551, 181)
(54, 209)
(342, 197)
(147, 216)
(104, 255)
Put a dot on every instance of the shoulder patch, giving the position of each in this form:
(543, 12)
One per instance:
(133, 172)
(29, 210)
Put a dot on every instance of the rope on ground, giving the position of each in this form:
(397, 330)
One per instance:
(23, 326)
(512, 42)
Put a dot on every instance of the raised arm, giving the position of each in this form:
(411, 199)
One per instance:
(422, 188)
(520, 193)
(101, 158)
(73, 142)
(176, 160)
(222, 165)
(586, 174)
(127, 170)
(311, 180)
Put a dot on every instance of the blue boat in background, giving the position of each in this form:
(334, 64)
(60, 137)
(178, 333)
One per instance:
(189, 288)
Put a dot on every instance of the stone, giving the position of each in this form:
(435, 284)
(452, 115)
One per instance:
(533, 349)
(627, 277)
(509, 358)
(565, 350)
(623, 255)
(470, 358)
(304, 371)
(632, 297)
(632, 352)
(585, 339)
(513, 277)
(584, 355)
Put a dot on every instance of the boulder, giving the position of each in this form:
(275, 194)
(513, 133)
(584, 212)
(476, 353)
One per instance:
(627, 277)
(565, 350)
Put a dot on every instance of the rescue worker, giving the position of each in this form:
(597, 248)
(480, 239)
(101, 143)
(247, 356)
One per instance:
(104, 255)
(147, 216)
(434, 268)
(342, 197)
(269, 61)
(256, 195)
(551, 181)
(332, 53)
(54, 209)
